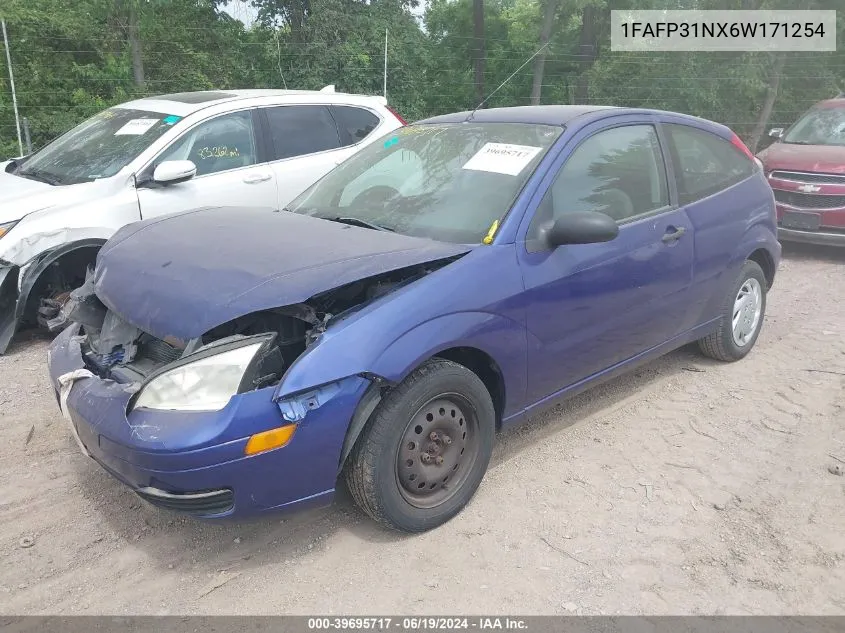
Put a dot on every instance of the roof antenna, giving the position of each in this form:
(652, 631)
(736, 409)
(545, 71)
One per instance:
(487, 98)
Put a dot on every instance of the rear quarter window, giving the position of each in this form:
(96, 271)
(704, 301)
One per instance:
(355, 124)
(299, 130)
(704, 162)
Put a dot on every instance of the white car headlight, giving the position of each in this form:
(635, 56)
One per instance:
(5, 228)
(205, 384)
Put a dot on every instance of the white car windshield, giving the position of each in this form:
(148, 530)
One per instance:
(448, 182)
(98, 148)
(824, 126)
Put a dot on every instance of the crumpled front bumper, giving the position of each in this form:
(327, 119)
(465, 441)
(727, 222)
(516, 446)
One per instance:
(195, 461)
(8, 304)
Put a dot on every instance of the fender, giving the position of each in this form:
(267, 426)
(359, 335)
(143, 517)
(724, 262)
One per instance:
(349, 352)
(41, 263)
(758, 236)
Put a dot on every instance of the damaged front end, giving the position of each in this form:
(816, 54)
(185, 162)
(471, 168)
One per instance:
(32, 294)
(113, 348)
(8, 303)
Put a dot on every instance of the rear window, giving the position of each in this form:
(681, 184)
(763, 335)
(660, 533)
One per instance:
(354, 124)
(705, 163)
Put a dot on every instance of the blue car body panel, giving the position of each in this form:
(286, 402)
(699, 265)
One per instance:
(550, 323)
(201, 451)
(199, 269)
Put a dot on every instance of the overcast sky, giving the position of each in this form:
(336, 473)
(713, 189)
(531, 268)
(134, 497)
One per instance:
(243, 11)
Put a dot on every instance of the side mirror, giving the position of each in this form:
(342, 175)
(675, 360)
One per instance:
(582, 228)
(171, 172)
(776, 132)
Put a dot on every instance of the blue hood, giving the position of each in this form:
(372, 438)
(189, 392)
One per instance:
(183, 275)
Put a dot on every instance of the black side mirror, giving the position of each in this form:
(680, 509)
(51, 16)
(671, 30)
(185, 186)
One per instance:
(582, 228)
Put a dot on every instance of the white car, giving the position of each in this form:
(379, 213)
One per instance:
(158, 156)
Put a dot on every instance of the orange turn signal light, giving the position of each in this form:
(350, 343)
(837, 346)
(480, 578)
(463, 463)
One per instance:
(268, 440)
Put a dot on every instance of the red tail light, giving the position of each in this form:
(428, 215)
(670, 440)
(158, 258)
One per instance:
(396, 114)
(737, 142)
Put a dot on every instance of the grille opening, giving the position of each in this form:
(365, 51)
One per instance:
(805, 176)
(809, 200)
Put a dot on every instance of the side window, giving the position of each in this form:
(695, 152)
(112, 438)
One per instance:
(705, 163)
(300, 130)
(355, 124)
(619, 172)
(223, 143)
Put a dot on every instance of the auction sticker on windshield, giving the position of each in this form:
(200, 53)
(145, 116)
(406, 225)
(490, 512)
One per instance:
(136, 127)
(502, 158)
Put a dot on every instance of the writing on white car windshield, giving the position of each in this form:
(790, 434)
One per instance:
(97, 148)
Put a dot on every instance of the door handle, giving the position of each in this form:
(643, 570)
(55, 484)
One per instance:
(256, 178)
(673, 234)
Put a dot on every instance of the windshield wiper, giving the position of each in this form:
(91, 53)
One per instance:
(360, 222)
(41, 176)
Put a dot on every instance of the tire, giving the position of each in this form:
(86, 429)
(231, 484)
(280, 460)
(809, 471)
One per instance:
(722, 344)
(388, 475)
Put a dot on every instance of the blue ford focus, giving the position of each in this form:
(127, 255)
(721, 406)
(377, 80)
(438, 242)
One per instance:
(435, 288)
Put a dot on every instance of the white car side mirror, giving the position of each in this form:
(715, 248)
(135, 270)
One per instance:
(171, 172)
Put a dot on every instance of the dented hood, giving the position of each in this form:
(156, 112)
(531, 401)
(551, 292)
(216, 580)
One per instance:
(183, 275)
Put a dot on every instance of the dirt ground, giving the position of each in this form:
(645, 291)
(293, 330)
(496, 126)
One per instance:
(686, 487)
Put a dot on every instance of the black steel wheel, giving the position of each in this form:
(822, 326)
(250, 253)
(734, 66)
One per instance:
(425, 449)
(438, 449)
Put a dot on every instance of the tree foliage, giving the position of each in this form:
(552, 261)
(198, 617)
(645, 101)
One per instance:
(71, 58)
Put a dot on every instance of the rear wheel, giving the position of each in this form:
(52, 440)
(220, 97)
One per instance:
(425, 449)
(742, 316)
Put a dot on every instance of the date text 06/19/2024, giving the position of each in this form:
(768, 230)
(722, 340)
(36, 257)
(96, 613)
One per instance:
(416, 624)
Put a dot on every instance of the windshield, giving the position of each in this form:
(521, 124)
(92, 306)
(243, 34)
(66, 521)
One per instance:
(448, 182)
(825, 126)
(98, 148)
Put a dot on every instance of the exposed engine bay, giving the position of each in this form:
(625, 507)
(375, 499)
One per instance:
(115, 349)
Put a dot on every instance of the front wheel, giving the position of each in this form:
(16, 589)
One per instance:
(425, 449)
(742, 316)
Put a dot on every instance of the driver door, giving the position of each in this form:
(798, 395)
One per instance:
(229, 169)
(592, 306)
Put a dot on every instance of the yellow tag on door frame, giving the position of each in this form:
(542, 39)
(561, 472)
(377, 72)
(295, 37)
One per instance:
(488, 239)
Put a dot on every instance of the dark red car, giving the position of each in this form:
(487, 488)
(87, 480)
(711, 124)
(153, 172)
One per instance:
(806, 169)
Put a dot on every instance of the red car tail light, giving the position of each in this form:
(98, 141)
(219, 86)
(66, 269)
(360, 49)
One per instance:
(737, 142)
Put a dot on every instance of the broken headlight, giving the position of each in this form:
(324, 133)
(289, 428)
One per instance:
(206, 379)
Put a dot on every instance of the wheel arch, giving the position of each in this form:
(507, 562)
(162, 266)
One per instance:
(485, 367)
(475, 359)
(759, 245)
(79, 253)
(763, 258)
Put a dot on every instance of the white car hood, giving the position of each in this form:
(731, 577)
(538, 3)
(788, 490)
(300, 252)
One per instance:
(21, 196)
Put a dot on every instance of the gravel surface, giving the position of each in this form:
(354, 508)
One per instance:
(685, 487)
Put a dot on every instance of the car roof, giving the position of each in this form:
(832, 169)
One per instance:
(185, 103)
(563, 114)
(539, 115)
(836, 102)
